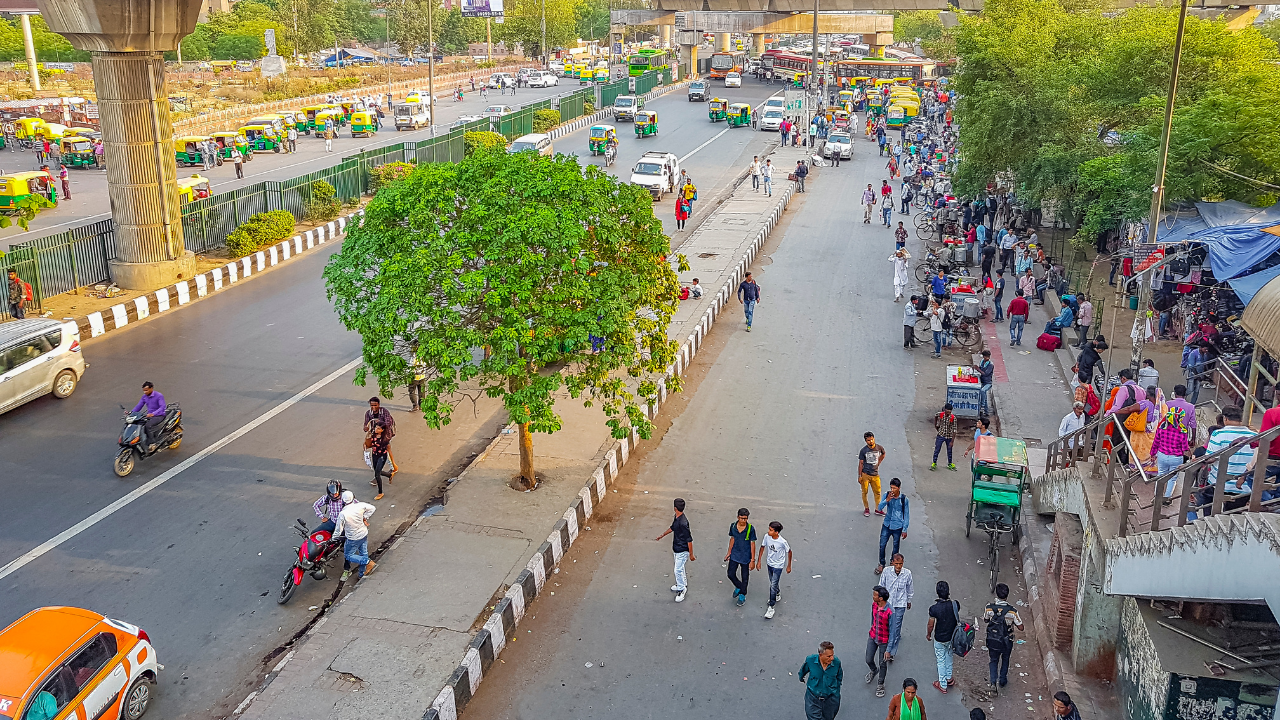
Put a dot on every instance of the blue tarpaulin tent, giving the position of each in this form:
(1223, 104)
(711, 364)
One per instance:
(1235, 249)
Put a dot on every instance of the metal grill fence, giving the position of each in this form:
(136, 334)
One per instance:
(59, 263)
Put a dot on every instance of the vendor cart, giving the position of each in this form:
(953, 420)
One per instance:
(962, 391)
(1000, 476)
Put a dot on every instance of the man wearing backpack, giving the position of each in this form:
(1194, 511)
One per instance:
(944, 615)
(17, 295)
(1001, 618)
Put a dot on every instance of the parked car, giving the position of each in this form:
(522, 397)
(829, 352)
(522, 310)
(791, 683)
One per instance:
(38, 357)
(733, 79)
(698, 91)
(838, 143)
(556, 66)
(536, 142)
(495, 80)
(542, 79)
(771, 119)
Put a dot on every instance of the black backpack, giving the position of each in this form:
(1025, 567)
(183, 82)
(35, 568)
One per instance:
(999, 635)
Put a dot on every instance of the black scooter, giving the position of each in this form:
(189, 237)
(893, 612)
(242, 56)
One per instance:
(133, 445)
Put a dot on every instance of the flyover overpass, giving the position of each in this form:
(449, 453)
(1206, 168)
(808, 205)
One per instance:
(876, 30)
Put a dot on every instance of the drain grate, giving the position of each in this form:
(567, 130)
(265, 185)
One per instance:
(707, 255)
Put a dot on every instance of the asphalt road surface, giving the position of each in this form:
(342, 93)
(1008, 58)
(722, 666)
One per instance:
(199, 541)
(775, 425)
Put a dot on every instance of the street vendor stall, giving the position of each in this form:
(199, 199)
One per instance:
(962, 390)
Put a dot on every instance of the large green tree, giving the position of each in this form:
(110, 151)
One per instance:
(496, 273)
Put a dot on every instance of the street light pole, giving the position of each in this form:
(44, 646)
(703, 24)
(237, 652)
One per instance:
(431, 67)
(544, 34)
(1157, 196)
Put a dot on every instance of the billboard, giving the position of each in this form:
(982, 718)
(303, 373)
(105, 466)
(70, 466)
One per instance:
(482, 8)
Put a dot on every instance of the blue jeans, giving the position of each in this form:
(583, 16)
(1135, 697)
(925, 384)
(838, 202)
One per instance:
(938, 442)
(942, 651)
(885, 533)
(886, 213)
(775, 574)
(1165, 463)
(755, 182)
(768, 186)
(357, 553)
(749, 309)
(895, 629)
(937, 342)
(999, 665)
(329, 526)
(1016, 324)
(983, 392)
(816, 708)
(999, 309)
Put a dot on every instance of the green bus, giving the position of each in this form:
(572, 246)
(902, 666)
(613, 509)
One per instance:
(646, 59)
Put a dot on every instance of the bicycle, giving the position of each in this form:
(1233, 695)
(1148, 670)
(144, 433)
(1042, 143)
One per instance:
(994, 526)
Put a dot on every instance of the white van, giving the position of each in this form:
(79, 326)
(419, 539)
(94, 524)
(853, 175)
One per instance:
(537, 142)
(38, 357)
(412, 115)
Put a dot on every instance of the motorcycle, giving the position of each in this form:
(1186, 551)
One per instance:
(610, 155)
(313, 555)
(132, 445)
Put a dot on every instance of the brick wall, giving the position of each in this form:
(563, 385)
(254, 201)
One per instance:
(1062, 572)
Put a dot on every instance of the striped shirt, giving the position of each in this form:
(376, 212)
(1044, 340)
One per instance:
(1223, 437)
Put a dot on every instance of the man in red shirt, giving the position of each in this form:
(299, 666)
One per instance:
(1270, 419)
(1018, 311)
(878, 637)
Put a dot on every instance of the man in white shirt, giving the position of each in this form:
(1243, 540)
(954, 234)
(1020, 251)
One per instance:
(897, 580)
(775, 554)
(1073, 421)
(353, 522)
(755, 173)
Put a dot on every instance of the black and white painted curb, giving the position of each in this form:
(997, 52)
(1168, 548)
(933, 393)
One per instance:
(500, 627)
(206, 283)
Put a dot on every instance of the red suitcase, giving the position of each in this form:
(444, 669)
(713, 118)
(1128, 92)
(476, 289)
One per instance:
(1048, 342)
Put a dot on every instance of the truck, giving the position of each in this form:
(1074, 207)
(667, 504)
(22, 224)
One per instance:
(626, 106)
(657, 172)
(412, 115)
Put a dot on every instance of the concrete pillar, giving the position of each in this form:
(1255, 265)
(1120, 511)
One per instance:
(757, 44)
(693, 60)
(666, 35)
(1096, 626)
(30, 46)
(724, 42)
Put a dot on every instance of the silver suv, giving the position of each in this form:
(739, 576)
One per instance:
(38, 357)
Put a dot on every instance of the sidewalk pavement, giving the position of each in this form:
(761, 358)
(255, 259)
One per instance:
(448, 594)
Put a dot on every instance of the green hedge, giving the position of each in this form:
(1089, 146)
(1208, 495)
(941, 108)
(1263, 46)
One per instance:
(383, 175)
(259, 231)
(544, 120)
(483, 139)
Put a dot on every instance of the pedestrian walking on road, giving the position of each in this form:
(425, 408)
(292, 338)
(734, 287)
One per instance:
(379, 445)
(886, 210)
(897, 580)
(1019, 309)
(897, 517)
(775, 554)
(1084, 319)
(740, 554)
(1001, 618)
(822, 686)
(353, 524)
(986, 376)
(293, 138)
(66, 183)
(869, 459)
(878, 637)
(935, 314)
(328, 136)
(900, 278)
(909, 317)
(378, 414)
(17, 296)
(868, 202)
(755, 173)
(748, 295)
(766, 174)
(900, 236)
(99, 155)
(802, 172)
(944, 616)
(683, 207)
(681, 548)
(944, 424)
(998, 285)
(238, 160)
(55, 153)
(906, 705)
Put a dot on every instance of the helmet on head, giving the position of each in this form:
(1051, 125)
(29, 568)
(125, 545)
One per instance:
(333, 489)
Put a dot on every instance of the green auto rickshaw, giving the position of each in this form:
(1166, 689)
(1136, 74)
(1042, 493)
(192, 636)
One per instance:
(739, 114)
(363, 124)
(77, 152)
(186, 150)
(228, 140)
(717, 109)
(599, 138)
(262, 138)
(646, 123)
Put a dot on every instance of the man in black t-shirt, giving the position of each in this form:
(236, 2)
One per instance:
(944, 615)
(681, 547)
(869, 459)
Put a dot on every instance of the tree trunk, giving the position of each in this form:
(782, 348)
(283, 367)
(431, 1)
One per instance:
(526, 456)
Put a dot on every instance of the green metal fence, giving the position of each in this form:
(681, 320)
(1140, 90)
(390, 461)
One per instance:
(611, 91)
(58, 263)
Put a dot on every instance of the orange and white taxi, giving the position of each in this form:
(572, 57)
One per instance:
(64, 663)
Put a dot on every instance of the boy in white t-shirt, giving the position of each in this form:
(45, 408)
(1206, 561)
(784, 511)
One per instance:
(775, 553)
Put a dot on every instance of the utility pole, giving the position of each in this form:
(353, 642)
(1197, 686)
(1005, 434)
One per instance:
(488, 33)
(544, 34)
(431, 67)
(1157, 196)
(810, 102)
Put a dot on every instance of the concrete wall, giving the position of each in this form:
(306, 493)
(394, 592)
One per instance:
(1062, 572)
(1142, 684)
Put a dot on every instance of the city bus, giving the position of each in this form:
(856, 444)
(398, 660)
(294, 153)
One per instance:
(646, 59)
(890, 69)
(723, 63)
(788, 65)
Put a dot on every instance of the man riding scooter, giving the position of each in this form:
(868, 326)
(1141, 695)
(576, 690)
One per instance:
(155, 407)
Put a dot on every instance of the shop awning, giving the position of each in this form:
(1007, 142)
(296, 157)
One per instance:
(1247, 286)
(1261, 318)
(1234, 249)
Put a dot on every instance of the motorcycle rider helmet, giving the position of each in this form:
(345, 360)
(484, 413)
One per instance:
(333, 489)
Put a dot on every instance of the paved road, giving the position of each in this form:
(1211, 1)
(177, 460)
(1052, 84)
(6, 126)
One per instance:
(775, 425)
(89, 200)
(196, 560)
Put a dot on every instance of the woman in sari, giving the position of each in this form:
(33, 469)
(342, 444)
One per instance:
(1141, 441)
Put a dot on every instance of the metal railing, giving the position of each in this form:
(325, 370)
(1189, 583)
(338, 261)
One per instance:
(1098, 447)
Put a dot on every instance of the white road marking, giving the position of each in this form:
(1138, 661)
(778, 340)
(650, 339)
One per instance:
(713, 139)
(171, 473)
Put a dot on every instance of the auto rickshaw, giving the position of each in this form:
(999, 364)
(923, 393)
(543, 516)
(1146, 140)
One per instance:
(911, 107)
(275, 121)
(845, 99)
(195, 187)
(362, 124)
(840, 120)
(22, 185)
(599, 138)
(85, 132)
(896, 116)
(717, 109)
(646, 123)
(310, 112)
(875, 104)
(77, 151)
(739, 115)
(348, 109)
(186, 150)
(881, 82)
(26, 129)
(861, 81)
(333, 116)
(261, 137)
(228, 140)
(53, 131)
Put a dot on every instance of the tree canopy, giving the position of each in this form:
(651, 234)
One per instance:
(1069, 98)
(50, 46)
(512, 276)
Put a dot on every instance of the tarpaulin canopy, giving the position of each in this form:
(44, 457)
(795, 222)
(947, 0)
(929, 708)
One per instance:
(1234, 249)
(1213, 215)
(1246, 286)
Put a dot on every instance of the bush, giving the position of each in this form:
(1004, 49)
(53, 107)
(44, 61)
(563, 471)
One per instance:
(544, 120)
(259, 231)
(483, 139)
(324, 205)
(588, 107)
(384, 175)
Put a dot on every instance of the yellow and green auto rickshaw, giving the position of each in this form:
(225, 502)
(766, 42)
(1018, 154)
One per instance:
(19, 186)
(840, 120)
(53, 131)
(739, 115)
(348, 109)
(717, 109)
(599, 138)
(845, 99)
(334, 118)
(896, 116)
(187, 150)
(311, 111)
(195, 187)
(85, 132)
(77, 151)
(646, 123)
(875, 104)
(26, 129)
(275, 121)
(228, 140)
(363, 124)
(586, 75)
(262, 138)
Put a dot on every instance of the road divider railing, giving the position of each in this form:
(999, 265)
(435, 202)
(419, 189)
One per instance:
(62, 262)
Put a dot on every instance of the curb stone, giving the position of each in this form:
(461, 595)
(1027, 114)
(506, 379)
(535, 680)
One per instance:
(184, 292)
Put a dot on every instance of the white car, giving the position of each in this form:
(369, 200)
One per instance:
(495, 80)
(771, 119)
(733, 79)
(838, 143)
(774, 102)
(38, 357)
(555, 66)
(543, 79)
(656, 172)
(535, 142)
(496, 111)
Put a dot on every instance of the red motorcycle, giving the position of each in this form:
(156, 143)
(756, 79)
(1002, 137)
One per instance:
(314, 554)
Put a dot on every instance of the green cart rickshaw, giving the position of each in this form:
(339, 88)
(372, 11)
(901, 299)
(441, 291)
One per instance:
(1000, 477)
